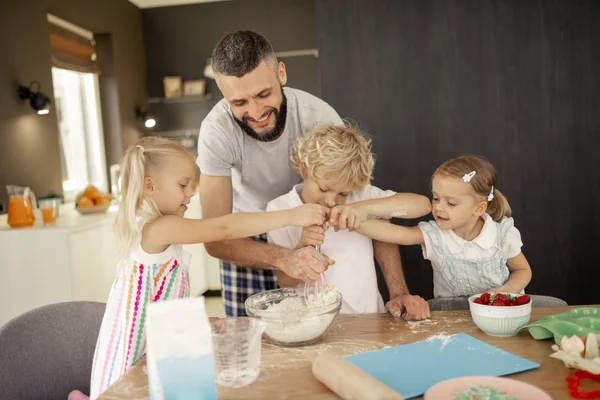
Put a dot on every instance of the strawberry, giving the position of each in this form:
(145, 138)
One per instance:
(501, 296)
(477, 300)
(485, 298)
(498, 303)
(524, 299)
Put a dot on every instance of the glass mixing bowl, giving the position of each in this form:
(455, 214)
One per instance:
(294, 324)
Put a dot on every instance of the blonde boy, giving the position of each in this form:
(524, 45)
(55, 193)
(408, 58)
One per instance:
(336, 164)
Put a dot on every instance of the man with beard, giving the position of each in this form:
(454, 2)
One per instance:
(243, 155)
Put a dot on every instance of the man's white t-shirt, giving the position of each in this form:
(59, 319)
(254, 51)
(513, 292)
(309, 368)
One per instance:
(353, 273)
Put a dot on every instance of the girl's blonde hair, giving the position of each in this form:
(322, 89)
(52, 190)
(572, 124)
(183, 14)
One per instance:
(482, 182)
(139, 161)
(339, 154)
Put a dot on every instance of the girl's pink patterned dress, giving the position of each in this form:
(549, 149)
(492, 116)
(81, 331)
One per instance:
(122, 339)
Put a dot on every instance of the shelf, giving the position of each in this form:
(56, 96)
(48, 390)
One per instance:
(182, 99)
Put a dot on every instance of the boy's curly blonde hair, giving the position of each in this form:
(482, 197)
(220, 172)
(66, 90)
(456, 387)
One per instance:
(334, 154)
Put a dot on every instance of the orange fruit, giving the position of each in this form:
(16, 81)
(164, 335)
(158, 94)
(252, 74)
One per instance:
(102, 200)
(84, 202)
(92, 192)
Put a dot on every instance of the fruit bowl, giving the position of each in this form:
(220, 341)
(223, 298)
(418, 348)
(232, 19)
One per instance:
(92, 201)
(496, 320)
(93, 210)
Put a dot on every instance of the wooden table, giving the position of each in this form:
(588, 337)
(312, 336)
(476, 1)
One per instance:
(286, 372)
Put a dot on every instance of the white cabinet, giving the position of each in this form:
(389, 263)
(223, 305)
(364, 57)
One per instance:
(74, 260)
(93, 263)
(33, 271)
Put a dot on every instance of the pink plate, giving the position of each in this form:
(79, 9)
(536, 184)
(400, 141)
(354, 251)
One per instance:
(447, 390)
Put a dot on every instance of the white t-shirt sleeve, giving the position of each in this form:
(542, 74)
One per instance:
(431, 235)
(216, 155)
(512, 241)
(280, 237)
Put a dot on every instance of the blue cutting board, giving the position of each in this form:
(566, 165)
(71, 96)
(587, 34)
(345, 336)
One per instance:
(411, 369)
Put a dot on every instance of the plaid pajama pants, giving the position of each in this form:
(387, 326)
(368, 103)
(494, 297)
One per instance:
(239, 283)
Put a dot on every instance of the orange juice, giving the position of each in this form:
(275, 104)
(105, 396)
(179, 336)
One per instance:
(20, 212)
(49, 215)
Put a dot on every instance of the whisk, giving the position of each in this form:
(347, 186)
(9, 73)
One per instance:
(314, 291)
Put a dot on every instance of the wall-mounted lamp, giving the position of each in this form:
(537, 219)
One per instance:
(38, 100)
(149, 121)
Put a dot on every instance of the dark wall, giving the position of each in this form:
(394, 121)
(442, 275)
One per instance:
(29, 149)
(514, 81)
(180, 39)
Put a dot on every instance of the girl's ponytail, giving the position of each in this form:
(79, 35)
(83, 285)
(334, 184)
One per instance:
(498, 207)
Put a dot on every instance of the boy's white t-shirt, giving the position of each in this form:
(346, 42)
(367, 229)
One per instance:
(353, 273)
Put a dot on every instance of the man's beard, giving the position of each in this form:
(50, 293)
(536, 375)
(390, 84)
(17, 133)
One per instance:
(273, 134)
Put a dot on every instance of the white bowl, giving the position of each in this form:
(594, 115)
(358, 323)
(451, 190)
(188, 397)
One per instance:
(499, 321)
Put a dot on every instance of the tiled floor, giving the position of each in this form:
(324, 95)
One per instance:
(214, 307)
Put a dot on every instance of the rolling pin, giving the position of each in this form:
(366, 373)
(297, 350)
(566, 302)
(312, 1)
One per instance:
(348, 381)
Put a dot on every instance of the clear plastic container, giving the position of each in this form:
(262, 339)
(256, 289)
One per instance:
(236, 347)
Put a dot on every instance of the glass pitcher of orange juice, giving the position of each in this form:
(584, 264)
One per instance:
(21, 201)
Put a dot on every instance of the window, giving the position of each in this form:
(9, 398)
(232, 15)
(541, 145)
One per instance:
(77, 103)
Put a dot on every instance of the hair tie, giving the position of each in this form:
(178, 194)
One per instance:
(491, 195)
(140, 147)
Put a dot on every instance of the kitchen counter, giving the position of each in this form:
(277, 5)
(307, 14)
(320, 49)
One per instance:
(69, 219)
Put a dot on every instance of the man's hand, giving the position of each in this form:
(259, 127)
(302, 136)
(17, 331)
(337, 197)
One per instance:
(305, 264)
(347, 216)
(409, 307)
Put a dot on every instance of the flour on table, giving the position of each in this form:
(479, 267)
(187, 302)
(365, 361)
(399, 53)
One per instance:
(434, 326)
(421, 326)
(443, 337)
(290, 357)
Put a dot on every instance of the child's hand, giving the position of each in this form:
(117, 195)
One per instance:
(312, 236)
(349, 216)
(308, 214)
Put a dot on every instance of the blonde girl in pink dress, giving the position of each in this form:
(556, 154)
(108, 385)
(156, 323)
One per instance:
(157, 176)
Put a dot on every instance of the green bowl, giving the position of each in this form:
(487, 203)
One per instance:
(578, 322)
